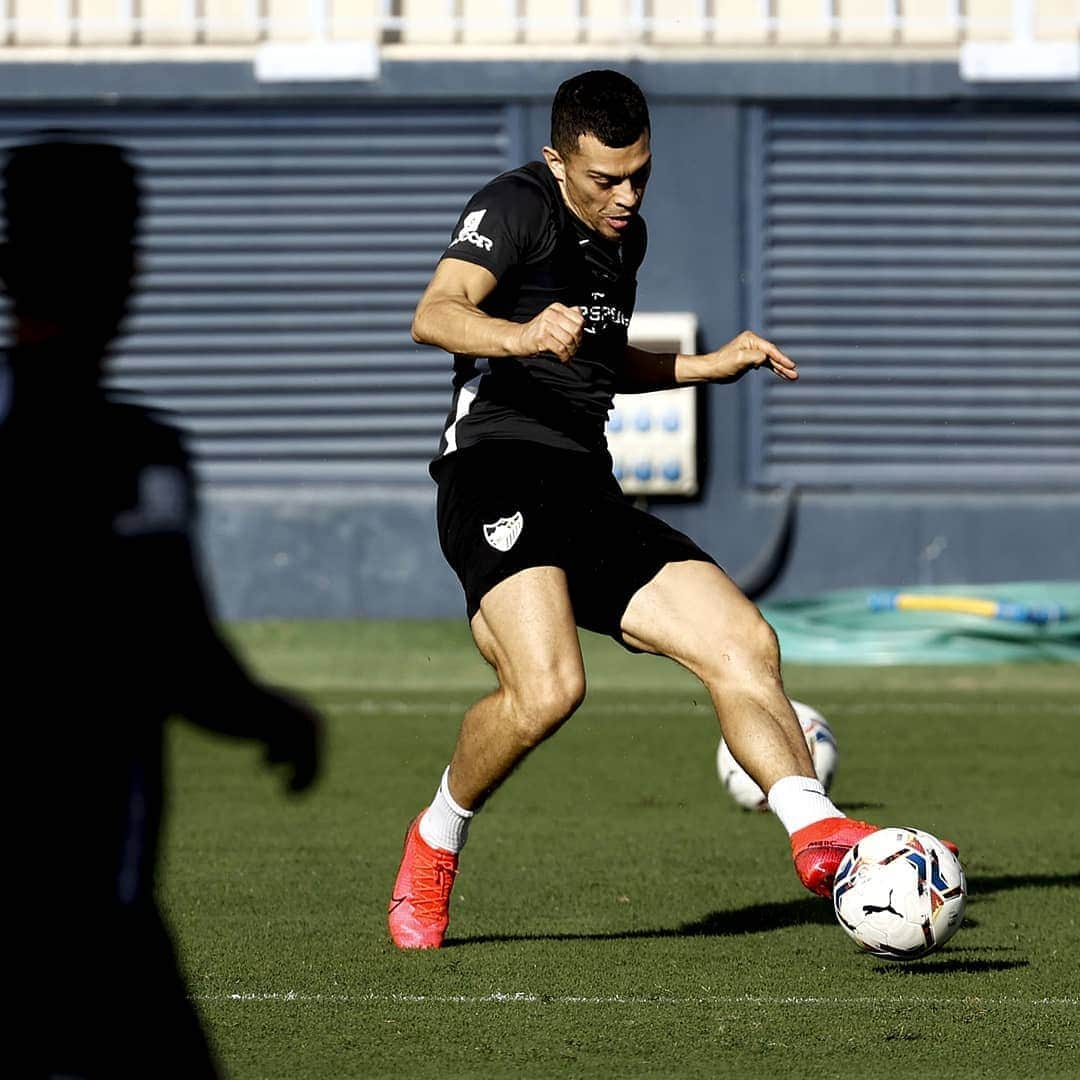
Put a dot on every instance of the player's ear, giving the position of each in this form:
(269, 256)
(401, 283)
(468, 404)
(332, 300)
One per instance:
(555, 163)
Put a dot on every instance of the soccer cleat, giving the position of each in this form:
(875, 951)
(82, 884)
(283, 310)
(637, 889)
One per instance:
(419, 910)
(818, 849)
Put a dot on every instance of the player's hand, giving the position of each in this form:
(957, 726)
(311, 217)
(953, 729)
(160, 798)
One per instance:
(293, 732)
(557, 329)
(745, 352)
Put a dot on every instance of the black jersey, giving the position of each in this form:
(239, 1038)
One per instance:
(109, 634)
(110, 631)
(540, 253)
(99, 504)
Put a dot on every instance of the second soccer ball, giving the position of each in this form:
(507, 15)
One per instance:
(820, 740)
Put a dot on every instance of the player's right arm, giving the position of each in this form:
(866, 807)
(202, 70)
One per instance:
(184, 665)
(449, 316)
(208, 684)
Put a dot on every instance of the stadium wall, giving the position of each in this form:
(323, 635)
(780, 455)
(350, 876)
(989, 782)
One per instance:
(361, 541)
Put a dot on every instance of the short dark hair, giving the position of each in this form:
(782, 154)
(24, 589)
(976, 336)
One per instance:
(605, 104)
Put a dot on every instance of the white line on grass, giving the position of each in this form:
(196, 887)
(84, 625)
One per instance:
(524, 998)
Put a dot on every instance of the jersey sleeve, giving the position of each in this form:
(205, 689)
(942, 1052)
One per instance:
(506, 224)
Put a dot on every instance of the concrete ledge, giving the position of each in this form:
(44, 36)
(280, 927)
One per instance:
(326, 555)
(502, 81)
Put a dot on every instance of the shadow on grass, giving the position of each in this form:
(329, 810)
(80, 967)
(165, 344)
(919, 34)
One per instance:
(755, 919)
(987, 886)
(953, 966)
(777, 915)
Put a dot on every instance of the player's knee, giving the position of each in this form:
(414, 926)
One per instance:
(762, 643)
(748, 652)
(542, 707)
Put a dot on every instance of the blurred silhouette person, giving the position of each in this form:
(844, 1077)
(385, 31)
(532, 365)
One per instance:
(108, 634)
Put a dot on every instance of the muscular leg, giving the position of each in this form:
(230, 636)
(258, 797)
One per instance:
(693, 613)
(525, 629)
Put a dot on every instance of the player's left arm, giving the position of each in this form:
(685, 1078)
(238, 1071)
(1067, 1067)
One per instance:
(642, 370)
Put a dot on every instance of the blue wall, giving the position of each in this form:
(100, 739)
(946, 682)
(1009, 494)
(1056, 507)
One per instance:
(374, 552)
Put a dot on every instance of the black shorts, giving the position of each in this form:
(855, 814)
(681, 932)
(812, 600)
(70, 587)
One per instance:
(506, 506)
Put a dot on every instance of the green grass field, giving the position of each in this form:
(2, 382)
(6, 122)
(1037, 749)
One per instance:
(616, 915)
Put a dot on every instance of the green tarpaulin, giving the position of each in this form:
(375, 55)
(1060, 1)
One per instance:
(844, 627)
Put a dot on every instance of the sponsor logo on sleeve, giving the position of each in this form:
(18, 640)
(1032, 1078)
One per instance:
(468, 233)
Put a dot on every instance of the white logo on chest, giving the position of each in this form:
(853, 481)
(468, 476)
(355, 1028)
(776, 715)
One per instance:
(502, 534)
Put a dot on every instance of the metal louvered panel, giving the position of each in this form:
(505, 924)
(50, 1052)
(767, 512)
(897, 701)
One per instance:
(284, 249)
(924, 270)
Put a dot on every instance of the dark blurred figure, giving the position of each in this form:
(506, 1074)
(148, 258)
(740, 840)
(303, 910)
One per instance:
(108, 635)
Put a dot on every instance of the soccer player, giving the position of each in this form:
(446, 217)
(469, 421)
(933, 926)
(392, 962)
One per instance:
(108, 634)
(533, 297)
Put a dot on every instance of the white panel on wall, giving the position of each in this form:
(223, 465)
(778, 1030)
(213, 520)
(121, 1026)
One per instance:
(653, 437)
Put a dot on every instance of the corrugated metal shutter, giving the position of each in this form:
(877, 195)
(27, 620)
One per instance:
(924, 269)
(285, 249)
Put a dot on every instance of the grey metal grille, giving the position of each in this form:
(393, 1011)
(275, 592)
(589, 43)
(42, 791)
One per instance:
(284, 249)
(924, 269)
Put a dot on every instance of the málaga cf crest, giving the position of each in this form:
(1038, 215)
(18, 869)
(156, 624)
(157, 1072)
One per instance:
(503, 534)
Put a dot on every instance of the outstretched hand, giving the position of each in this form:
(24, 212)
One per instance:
(744, 352)
(293, 732)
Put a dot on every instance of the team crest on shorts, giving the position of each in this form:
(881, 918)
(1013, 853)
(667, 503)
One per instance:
(502, 534)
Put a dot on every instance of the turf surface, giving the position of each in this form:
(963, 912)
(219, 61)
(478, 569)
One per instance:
(616, 914)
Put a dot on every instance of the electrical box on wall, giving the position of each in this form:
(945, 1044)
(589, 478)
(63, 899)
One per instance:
(653, 437)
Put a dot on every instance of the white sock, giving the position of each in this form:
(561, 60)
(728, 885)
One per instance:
(445, 825)
(799, 801)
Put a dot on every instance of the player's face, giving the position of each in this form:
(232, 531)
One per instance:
(603, 185)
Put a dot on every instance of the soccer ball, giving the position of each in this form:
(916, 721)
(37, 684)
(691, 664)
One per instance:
(900, 893)
(820, 740)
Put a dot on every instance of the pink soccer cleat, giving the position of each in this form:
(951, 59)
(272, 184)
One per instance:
(818, 849)
(419, 911)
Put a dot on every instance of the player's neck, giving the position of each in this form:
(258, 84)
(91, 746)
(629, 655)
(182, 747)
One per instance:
(569, 204)
(579, 217)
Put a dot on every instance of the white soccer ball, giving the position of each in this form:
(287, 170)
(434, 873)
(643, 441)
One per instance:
(900, 893)
(820, 740)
